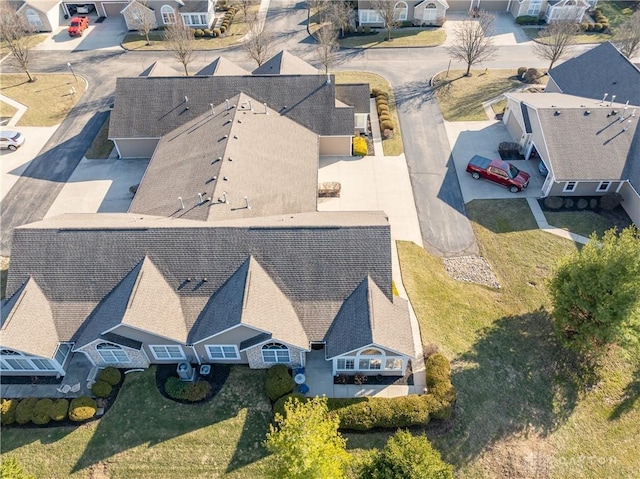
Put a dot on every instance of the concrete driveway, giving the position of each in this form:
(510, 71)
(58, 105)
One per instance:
(482, 138)
(99, 36)
(15, 162)
(505, 30)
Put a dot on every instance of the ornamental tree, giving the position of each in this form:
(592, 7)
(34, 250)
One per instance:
(596, 293)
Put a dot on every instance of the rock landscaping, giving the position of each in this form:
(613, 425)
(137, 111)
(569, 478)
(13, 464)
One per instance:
(472, 269)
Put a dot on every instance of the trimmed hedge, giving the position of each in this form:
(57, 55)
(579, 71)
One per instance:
(359, 146)
(387, 125)
(527, 20)
(82, 409)
(101, 389)
(216, 32)
(24, 411)
(278, 407)
(110, 375)
(8, 411)
(59, 409)
(42, 411)
(279, 382)
(192, 392)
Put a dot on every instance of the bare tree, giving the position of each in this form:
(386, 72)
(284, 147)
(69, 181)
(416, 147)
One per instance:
(627, 36)
(554, 42)
(259, 42)
(320, 7)
(14, 32)
(472, 42)
(388, 12)
(180, 41)
(245, 7)
(142, 18)
(327, 38)
(339, 14)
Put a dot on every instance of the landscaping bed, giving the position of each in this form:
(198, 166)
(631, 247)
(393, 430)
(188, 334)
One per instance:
(376, 379)
(216, 379)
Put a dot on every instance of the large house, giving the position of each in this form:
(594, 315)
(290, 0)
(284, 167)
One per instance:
(433, 12)
(584, 127)
(222, 257)
(147, 107)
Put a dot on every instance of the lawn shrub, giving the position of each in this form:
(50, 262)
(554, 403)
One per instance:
(101, 389)
(362, 414)
(216, 32)
(382, 107)
(527, 20)
(199, 33)
(532, 75)
(59, 408)
(24, 410)
(82, 408)
(174, 387)
(110, 375)
(196, 391)
(278, 406)
(42, 411)
(593, 203)
(610, 201)
(582, 203)
(584, 26)
(521, 71)
(367, 29)
(387, 125)
(385, 117)
(359, 146)
(279, 382)
(437, 369)
(375, 92)
(553, 202)
(206, 32)
(8, 411)
(568, 203)
(222, 29)
(597, 27)
(360, 29)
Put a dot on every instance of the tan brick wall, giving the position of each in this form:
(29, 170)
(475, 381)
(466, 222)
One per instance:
(137, 358)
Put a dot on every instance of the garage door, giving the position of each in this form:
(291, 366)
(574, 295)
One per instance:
(494, 5)
(459, 5)
(73, 8)
(114, 8)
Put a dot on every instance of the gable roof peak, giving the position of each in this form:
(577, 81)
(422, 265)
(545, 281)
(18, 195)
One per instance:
(285, 63)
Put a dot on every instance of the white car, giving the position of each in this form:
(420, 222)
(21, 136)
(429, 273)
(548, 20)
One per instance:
(11, 140)
(82, 9)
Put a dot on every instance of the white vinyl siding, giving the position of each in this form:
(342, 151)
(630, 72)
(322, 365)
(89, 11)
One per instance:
(167, 352)
(223, 351)
(430, 12)
(33, 18)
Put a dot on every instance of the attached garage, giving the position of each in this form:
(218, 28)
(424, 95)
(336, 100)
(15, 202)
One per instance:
(71, 8)
(135, 147)
(460, 5)
(335, 146)
(112, 9)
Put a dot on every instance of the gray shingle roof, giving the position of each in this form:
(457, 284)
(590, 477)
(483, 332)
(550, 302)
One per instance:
(600, 70)
(368, 317)
(149, 107)
(159, 69)
(86, 263)
(586, 146)
(277, 173)
(122, 341)
(29, 306)
(284, 63)
(195, 6)
(222, 67)
(355, 95)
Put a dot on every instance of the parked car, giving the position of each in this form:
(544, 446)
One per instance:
(82, 9)
(78, 25)
(498, 171)
(11, 139)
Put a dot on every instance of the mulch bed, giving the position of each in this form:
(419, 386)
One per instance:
(379, 380)
(30, 379)
(216, 378)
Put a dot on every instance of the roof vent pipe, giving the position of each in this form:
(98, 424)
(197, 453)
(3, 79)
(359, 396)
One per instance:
(250, 105)
(212, 110)
(328, 79)
(266, 112)
(227, 102)
(246, 203)
(604, 97)
(181, 202)
(613, 97)
(200, 198)
(186, 100)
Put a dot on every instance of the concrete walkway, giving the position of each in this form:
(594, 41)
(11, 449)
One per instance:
(18, 106)
(545, 226)
(375, 128)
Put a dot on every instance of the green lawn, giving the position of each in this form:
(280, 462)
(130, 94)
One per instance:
(616, 11)
(584, 222)
(101, 146)
(392, 146)
(34, 40)
(584, 37)
(521, 410)
(402, 37)
(145, 435)
(48, 99)
(460, 98)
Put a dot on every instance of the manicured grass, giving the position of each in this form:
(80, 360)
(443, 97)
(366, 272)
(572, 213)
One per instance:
(584, 37)
(401, 37)
(48, 98)
(237, 30)
(583, 222)
(145, 435)
(521, 410)
(460, 98)
(34, 40)
(499, 106)
(6, 110)
(392, 146)
(101, 146)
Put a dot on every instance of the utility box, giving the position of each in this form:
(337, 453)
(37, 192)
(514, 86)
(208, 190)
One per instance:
(186, 372)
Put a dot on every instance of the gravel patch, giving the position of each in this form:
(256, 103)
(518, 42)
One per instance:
(472, 269)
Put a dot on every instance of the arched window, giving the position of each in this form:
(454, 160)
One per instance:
(168, 15)
(9, 352)
(430, 12)
(275, 353)
(400, 10)
(370, 358)
(112, 353)
(33, 18)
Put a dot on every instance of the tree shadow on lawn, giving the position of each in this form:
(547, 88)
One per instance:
(516, 379)
(630, 397)
(416, 93)
(141, 416)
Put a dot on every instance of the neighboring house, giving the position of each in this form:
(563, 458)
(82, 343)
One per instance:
(41, 15)
(584, 127)
(423, 12)
(146, 108)
(550, 10)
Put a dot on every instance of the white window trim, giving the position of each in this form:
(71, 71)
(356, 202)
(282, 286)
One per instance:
(401, 12)
(158, 349)
(111, 358)
(430, 14)
(276, 355)
(383, 357)
(566, 188)
(29, 361)
(170, 13)
(208, 347)
(600, 190)
(33, 18)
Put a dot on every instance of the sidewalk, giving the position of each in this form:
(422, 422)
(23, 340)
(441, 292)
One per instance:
(545, 226)
(18, 106)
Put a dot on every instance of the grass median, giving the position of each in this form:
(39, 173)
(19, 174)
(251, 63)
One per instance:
(402, 37)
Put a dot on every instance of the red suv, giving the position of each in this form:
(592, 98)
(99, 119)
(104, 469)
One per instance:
(78, 26)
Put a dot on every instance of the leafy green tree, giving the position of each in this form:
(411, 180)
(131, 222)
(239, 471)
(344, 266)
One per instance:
(596, 293)
(407, 457)
(306, 443)
(11, 469)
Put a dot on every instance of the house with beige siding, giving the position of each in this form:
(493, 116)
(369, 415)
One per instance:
(422, 12)
(584, 127)
(193, 13)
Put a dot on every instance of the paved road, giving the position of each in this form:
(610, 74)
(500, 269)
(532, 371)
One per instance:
(445, 229)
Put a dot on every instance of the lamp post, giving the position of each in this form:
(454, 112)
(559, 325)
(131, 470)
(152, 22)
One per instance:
(75, 78)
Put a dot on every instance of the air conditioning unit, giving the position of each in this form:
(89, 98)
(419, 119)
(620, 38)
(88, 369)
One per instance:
(186, 372)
